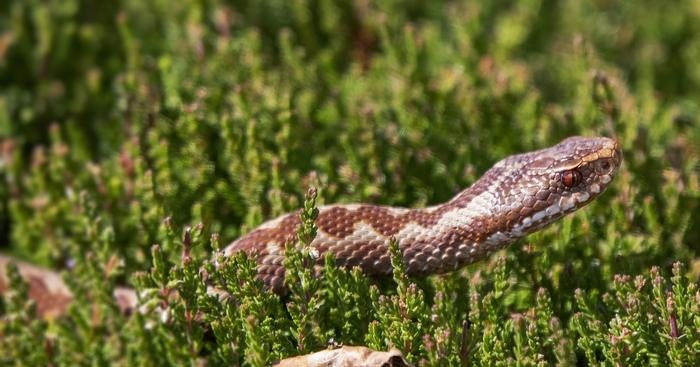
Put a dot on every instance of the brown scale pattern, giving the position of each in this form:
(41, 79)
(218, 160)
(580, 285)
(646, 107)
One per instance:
(283, 232)
(339, 221)
(370, 255)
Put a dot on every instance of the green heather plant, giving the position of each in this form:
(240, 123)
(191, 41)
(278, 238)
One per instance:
(137, 139)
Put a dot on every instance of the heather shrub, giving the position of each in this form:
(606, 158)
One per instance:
(138, 138)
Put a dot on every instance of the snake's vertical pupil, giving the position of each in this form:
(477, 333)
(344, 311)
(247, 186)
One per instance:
(571, 178)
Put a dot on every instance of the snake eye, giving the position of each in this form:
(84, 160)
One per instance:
(571, 178)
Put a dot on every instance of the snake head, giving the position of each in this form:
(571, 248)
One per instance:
(537, 188)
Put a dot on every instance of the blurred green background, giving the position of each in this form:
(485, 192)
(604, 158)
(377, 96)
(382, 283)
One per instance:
(125, 112)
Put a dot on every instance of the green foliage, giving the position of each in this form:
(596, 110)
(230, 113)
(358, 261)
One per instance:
(306, 299)
(123, 125)
(21, 332)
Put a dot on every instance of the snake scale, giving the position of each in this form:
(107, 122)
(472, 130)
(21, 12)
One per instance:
(517, 196)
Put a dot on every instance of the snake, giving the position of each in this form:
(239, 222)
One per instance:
(517, 196)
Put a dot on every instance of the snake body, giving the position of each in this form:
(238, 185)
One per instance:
(517, 196)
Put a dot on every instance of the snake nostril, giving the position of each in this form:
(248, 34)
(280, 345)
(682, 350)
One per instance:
(604, 166)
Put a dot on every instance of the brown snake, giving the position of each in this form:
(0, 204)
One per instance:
(517, 196)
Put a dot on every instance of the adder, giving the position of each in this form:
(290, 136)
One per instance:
(517, 196)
